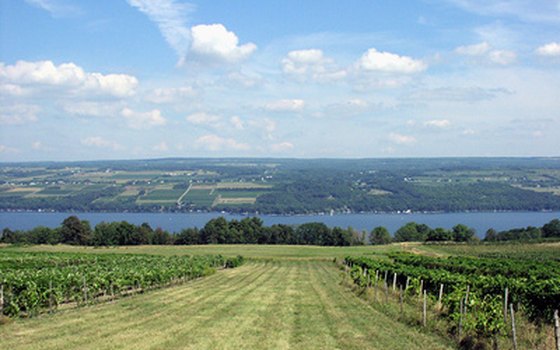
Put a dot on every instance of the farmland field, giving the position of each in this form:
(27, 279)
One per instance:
(283, 297)
(284, 186)
(261, 305)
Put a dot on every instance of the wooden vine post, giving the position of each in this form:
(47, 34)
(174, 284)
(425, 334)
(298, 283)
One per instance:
(424, 310)
(557, 329)
(401, 297)
(394, 281)
(440, 296)
(386, 292)
(85, 291)
(1, 298)
(421, 288)
(375, 285)
(513, 333)
(50, 297)
(407, 283)
(505, 304)
(461, 306)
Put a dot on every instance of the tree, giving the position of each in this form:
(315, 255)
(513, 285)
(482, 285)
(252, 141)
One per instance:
(342, 236)
(412, 232)
(75, 231)
(491, 235)
(380, 235)
(552, 229)
(463, 233)
(312, 233)
(187, 236)
(215, 231)
(439, 235)
(43, 235)
(161, 237)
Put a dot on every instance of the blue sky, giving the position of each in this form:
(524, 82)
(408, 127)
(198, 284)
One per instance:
(116, 79)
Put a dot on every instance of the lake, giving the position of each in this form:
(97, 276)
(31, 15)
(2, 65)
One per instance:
(174, 222)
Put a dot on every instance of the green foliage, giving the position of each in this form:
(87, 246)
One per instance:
(412, 232)
(34, 281)
(552, 229)
(534, 285)
(296, 186)
(380, 235)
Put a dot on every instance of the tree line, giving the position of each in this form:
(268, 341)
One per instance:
(216, 231)
(252, 231)
(549, 230)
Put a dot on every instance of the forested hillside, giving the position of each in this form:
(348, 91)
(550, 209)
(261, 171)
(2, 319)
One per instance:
(285, 186)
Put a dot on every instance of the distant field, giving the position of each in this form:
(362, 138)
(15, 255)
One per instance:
(241, 185)
(163, 195)
(286, 186)
(200, 197)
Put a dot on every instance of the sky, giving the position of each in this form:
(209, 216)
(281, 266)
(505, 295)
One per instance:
(122, 79)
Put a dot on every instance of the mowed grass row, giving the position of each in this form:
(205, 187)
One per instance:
(261, 305)
(251, 251)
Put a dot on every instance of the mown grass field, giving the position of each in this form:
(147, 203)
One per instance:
(261, 305)
(284, 297)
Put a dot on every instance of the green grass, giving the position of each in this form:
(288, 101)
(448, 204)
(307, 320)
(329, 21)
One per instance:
(547, 250)
(251, 251)
(239, 194)
(284, 297)
(163, 195)
(261, 305)
(302, 252)
(200, 198)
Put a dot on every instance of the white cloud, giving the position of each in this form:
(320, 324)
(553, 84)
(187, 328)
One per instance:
(286, 105)
(401, 139)
(237, 123)
(526, 10)
(202, 118)
(437, 123)
(8, 149)
(214, 142)
(37, 146)
(311, 63)
(247, 80)
(474, 50)
(66, 75)
(374, 60)
(357, 102)
(18, 114)
(161, 147)
(550, 49)
(93, 109)
(502, 57)
(55, 7)
(216, 42)
(100, 142)
(171, 19)
(266, 125)
(143, 120)
(168, 95)
(13, 90)
(281, 147)
(458, 94)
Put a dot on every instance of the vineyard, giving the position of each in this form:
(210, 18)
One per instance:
(476, 296)
(34, 282)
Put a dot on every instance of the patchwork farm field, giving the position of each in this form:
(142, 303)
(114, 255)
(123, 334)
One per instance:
(284, 186)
